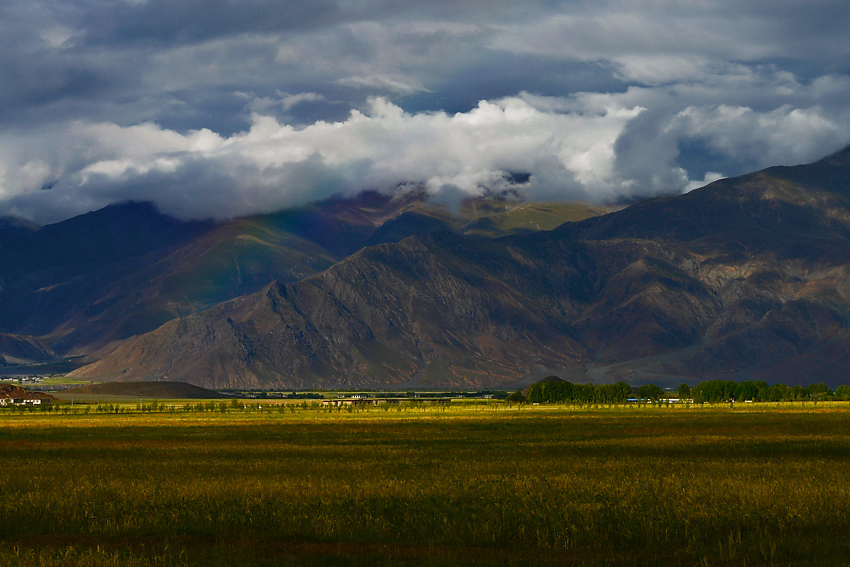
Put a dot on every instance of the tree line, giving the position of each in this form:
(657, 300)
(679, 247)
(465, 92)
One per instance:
(714, 391)
(567, 392)
(711, 391)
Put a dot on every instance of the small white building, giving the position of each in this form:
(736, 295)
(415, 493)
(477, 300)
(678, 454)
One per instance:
(20, 401)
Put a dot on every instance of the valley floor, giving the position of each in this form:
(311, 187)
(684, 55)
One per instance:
(483, 485)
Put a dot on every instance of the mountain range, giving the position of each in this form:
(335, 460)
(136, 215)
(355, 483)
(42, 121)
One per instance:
(745, 278)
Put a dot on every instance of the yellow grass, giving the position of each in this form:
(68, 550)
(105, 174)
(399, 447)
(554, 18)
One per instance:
(763, 484)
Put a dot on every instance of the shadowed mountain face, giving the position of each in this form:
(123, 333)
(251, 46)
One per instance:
(747, 277)
(127, 269)
(18, 349)
(385, 315)
(440, 310)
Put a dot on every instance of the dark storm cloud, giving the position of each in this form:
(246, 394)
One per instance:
(188, 21)
(216, 107)
(498, 75)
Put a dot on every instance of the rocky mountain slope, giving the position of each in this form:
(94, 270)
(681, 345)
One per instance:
(746, 277)
(23, 350)
(127, 269)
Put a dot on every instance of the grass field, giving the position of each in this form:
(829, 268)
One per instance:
(762, 485)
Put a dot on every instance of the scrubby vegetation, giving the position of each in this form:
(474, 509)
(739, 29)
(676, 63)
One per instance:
(479, 485)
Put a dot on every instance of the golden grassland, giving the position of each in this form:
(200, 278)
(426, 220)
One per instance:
(763, 484)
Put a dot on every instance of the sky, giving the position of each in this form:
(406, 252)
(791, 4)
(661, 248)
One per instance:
(222, 108)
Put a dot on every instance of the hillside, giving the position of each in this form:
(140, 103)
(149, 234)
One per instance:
(127, 269)
(22, 350)
(10, 391)
(157, 390)
(746, 277)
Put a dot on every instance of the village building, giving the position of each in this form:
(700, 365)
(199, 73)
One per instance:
(15, 396)
(364, 400)
(21, 401)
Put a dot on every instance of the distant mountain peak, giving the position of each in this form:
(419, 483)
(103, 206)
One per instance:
(747, 276)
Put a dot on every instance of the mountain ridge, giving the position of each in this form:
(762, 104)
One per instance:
(127, 269)
(743, 278)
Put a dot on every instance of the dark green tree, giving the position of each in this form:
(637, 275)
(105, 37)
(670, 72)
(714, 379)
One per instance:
(516, 397)
(650, 392)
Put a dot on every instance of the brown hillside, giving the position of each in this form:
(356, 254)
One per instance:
(159, 390)
(744, 278)
(23, 349)
(16, 392)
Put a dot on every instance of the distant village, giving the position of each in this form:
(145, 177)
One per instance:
(21, 401)
(24, 379)
(13, 394)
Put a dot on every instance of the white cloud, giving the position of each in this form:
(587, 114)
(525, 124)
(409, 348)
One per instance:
(274, 165)
(57, 37)
(282, 101)
(710, 177)
(395, 82)
(105, 107)
(669, 39)
(288, 100)
(596, 147)
(785, 135)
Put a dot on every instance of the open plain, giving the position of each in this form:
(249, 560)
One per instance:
(490, 484)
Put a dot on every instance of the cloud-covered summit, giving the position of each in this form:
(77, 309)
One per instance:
(226, 107)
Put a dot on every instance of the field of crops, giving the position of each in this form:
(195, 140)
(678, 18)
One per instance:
(758, 485)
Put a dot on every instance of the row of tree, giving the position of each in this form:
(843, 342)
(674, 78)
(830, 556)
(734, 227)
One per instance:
(566, 392)
(713, 391)
(759, 391)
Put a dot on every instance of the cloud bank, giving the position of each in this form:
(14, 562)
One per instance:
(218, 109)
